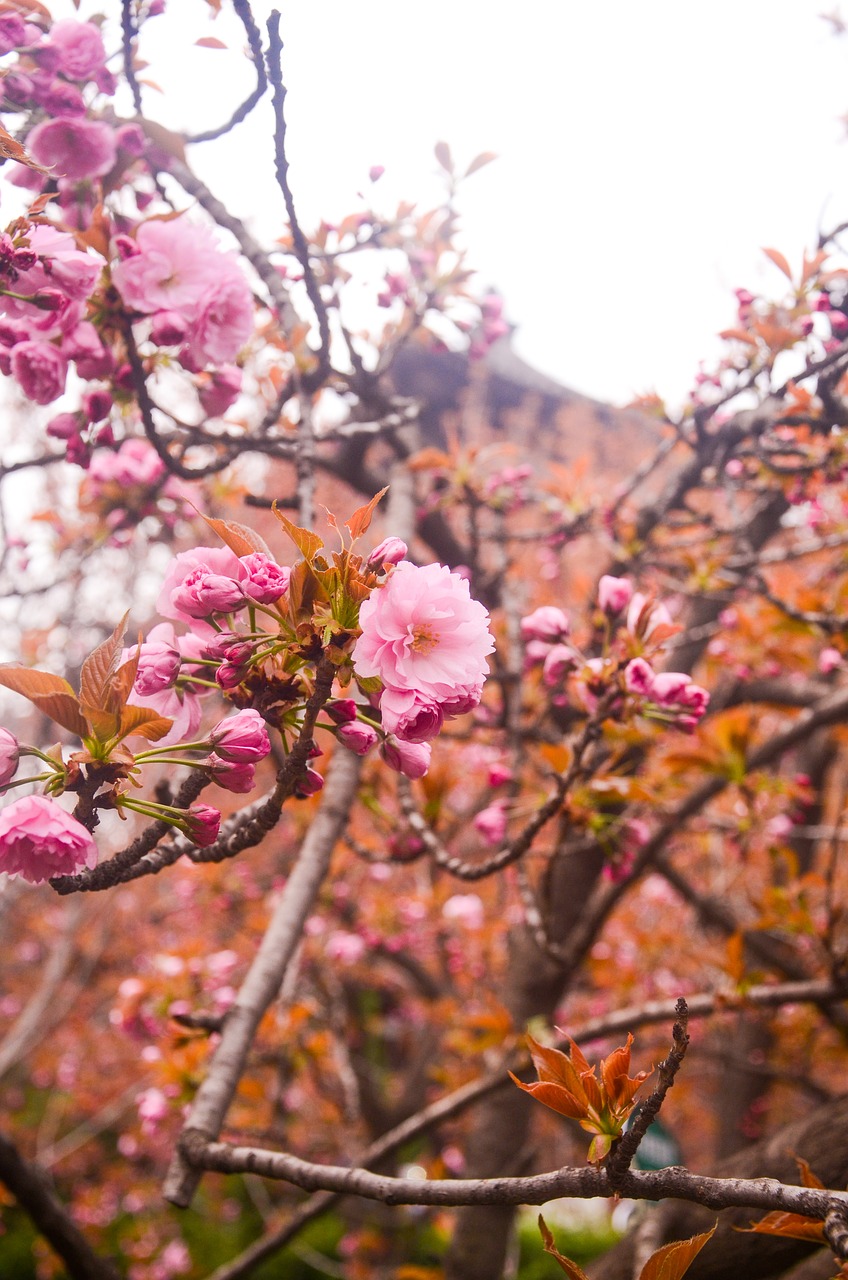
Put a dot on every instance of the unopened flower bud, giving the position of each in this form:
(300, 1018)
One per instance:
(202, 824)
(389, 551)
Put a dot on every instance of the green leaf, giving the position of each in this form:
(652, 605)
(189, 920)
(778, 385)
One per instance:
(570, 1268)
(51, 694)
(361, 518)
(674, 1260)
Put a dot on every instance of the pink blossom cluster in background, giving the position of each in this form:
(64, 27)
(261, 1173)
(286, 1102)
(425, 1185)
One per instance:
(426, 640)
(634, 624)
(39, 839)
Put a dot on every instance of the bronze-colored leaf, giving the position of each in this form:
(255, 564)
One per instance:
(241, 540)
(808, 1178)
(674, 1260)
(51, 694)
(361, 518)
(99, 669)
(775, 256)
(307, 542)
(570, 1268)
(210, 42)
(10, 149)
(124, 677)
(104, 724)
(144, 723)
(484, 158)
(793, 1225)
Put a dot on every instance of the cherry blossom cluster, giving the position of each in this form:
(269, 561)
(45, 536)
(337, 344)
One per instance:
(621, 677)
(426, 640)
(417, 652)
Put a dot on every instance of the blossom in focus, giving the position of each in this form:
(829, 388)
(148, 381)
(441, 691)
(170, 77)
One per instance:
(242, 738)
(39, 840)
(202, 824)
(264, 581)
(202, 593)
(423, 632)
(215, 560)
(389, 551)
(409, 758)
(232, 775)
(158, 667)
(410, 716)
(10, 754)
(358, 738)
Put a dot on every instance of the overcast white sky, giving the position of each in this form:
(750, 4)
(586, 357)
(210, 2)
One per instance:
(647, 151)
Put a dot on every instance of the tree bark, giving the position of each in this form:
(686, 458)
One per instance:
(820, 1138)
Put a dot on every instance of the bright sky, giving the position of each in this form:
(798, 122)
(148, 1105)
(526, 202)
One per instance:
(646, 152)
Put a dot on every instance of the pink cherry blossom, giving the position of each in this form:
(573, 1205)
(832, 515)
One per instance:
(41, 370)
(409, 758)
(466, 909)
(202, 593)
(73, 148)
(264, 580)
(547, 623)
(220, 391)
(10, 754)
(491, 822)
(829, 660)
(242, 738)
(358, 738)
(158, 668)
(39, 840)
(80, 47)
(223, 320)
(202, 824)
(422, 631)
(135, 463)
(218, 560)
(614, 594)
(639, 677)
(232, 775)
(389, 551)
(409, 715)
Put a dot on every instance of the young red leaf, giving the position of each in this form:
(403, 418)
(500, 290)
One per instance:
(793, 1225)
(570, 1268)
(305, 540)
(241, 540)
(775, 256)
(361, 518)
(143, 722)
(103, 724)
(674, 1260)
(99, 669)
(51, 694)
(12, 150)
(210, 42)
(484, 158)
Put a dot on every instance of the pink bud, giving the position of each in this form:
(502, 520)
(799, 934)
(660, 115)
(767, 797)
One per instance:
(202, 824)
(614, 594)
(389, 551)
(308, 784)
(547, 623)
(342, 711)
(358, 738)
(10, 753)
(409, 758)
(242, 738)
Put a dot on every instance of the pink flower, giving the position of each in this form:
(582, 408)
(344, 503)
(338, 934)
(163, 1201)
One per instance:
(423, 632)
(74, 148)
(202, 593)
(639, 677)
(168, 328)
(829, 660)
(172, 269)
(342, 711)
(38, 840)
(463, 699)
(347, 948)
(389, 551)
(158, 668)
(174, 702)
(242, 738)
(152, 1108)
(202, 824)
(223, 320)
(358, 738)
(264, 581)
(491, 822)
(548, 623)
(614, 594)
(216, 560)
(222, 390)
(308, 784)
(10, 754)
(80, 47)
(499, 774)
(409, 758)
(135, 463)
(410, 716)
(41, 369)
(669, 687)
(560, 659)
(232, 775)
